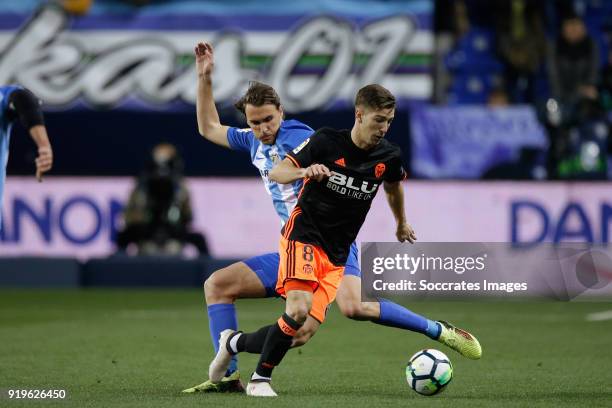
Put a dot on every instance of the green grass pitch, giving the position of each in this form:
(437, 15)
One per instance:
(140, 348)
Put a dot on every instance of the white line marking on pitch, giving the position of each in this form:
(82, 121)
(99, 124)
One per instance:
(599, 316)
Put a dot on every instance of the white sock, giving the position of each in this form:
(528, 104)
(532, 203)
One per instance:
(256, 376)
(233, 342)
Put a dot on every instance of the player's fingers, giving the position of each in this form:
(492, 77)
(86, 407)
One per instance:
(406, 236)
(43, 162)
(201, 49)
(324, 170)
(44, 159)
(314, 170)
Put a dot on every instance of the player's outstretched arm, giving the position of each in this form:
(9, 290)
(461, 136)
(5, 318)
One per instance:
(287, 172)
(395, 198)
(27, 107)
(209, 124)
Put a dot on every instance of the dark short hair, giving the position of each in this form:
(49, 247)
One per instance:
(258, 94)
(375, 97)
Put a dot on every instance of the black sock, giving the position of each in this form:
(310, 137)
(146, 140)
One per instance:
(278, 341)
(251, 342)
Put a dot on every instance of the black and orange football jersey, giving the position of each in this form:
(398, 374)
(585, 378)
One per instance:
(330, 213)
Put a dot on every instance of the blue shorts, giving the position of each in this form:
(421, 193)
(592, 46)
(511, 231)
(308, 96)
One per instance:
(266, 268)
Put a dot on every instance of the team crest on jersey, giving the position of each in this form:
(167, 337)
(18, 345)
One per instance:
(379, 170)
(308, 269)
(300, 147)
(275, 158)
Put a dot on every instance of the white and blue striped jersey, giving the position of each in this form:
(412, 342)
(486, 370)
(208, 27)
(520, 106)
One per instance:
(6, 124)
(290, 135)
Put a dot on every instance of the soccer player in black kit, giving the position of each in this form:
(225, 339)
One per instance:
(343, 171)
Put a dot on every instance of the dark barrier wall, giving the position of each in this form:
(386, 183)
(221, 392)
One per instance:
(116, 271)
(116, 143)
(40, 272)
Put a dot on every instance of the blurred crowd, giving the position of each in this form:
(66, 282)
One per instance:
(553, 54)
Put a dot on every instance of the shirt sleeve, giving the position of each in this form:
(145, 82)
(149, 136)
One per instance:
(27, 107)
(5, 93)
(297, 138)
(308, 152)
(240, 139)
(396, 170)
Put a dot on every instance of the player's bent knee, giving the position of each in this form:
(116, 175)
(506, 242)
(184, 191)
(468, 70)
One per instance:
(349, 311)
(302, 337)
(299, 314)
(219, 289)
(353, 309)
(299, 311)
(299, 340)
(298, 305)
(305, 333)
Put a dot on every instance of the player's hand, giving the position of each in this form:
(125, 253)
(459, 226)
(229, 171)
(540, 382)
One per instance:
(317, 172)
(44, 161)
(205, 61)
(405, 233)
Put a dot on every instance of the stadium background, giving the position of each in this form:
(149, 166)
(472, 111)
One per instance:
(118, 78)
